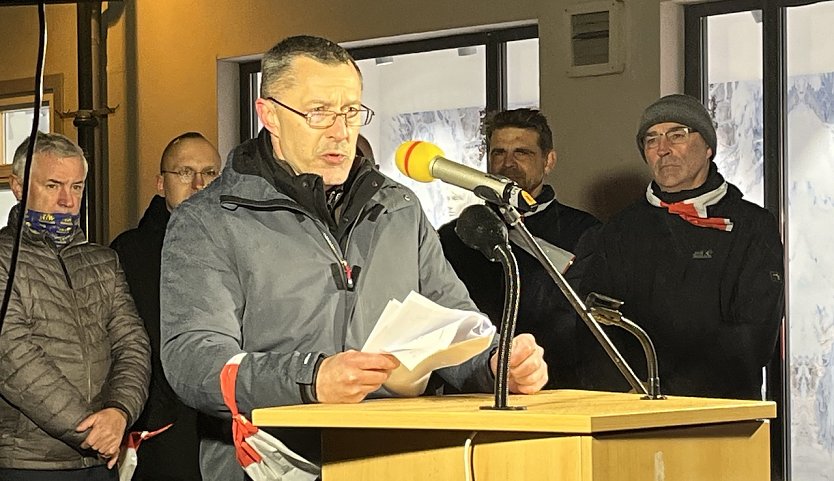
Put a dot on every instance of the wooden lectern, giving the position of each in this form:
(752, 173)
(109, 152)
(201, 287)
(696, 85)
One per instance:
(562, 435)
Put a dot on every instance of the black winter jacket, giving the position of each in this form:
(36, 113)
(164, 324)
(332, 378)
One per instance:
(173, 454)
(711, 300)
(543, 309)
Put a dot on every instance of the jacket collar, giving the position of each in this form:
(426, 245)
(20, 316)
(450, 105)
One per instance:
(713, 181)
(255, 157)
(546, 197)
(156, 216)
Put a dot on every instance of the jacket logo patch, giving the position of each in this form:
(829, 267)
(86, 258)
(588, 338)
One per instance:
(702, 254)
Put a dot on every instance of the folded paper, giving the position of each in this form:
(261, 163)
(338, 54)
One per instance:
(425, 336)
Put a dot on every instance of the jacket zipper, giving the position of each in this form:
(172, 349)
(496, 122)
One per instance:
(346, 268)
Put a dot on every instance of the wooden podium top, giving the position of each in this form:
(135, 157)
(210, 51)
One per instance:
(579, 412)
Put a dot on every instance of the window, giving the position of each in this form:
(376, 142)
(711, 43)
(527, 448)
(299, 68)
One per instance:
(768, 75)
(16, 99)
(734, 79)
(436, 90)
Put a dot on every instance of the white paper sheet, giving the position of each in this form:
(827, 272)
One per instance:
(425, 336)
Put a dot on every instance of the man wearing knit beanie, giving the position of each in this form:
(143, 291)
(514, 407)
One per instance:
(681, 109)
(698, 267)
(677, 124)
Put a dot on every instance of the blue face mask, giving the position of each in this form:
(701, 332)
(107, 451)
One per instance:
(58, 227)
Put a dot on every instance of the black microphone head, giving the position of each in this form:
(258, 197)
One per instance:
(479, 227)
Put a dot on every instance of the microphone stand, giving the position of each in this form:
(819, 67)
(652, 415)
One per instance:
(608, 313)
(513, 219)
(480, 228)
(509, 317)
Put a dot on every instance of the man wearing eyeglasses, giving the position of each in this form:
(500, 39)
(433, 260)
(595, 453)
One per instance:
(189, 163)
(699, 268)
(291, 256)
(520, 147)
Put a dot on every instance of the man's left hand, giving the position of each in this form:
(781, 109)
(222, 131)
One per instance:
(107, 428)
(528, 371)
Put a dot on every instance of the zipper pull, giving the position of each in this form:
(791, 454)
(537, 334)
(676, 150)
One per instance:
(348, 274)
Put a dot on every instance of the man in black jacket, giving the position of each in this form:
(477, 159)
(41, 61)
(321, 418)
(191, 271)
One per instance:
(189, 163)
(520, 147)
(699, 268)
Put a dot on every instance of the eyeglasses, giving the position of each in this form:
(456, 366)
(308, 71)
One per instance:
(675, 136)
(186, 176)
(323, 119)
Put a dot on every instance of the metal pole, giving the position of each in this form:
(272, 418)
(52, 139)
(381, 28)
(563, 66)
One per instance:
(85, 122)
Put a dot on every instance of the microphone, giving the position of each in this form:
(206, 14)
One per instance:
(424, 162)
(481, 229)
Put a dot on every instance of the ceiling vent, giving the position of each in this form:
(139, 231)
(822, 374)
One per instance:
(595, 38)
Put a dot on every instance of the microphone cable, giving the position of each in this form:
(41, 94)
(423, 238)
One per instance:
(469, 457)
(28, 164)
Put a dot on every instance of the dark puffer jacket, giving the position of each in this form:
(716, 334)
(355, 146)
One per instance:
(71, 344)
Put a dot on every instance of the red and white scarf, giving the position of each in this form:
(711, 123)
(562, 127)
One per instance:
(694, 210)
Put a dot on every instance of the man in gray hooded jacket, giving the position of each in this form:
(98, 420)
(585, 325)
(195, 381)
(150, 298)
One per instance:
(291, 255)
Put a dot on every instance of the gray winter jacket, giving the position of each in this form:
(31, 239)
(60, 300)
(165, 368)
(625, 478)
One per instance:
(255, 263)
(72, 344)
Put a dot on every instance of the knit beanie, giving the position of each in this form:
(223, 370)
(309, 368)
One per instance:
(683, 109)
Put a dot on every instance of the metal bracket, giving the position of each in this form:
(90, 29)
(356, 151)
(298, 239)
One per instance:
(100, 112)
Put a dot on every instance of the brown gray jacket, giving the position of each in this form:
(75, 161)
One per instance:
(71, 344)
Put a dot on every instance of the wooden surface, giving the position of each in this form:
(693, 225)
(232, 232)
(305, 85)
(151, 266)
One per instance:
(386, 454)
(737, 451)
(718, 452)
(562, 411)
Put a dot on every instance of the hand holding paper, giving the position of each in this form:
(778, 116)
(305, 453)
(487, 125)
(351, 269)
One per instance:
(424, 336)
(347, 377)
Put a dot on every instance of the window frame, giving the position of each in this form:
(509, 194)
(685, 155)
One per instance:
(495, 41)
(17, 93)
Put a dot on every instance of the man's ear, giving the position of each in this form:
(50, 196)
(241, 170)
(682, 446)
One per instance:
(160, 184)
(16, 183)
(266, 114)
(550, 162)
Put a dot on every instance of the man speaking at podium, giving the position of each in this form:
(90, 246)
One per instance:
(291, 256)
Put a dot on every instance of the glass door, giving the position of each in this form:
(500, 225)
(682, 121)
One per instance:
(809, 206)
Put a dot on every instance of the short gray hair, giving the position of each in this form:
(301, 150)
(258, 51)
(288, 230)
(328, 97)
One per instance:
(47, 143)
(275, 64)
